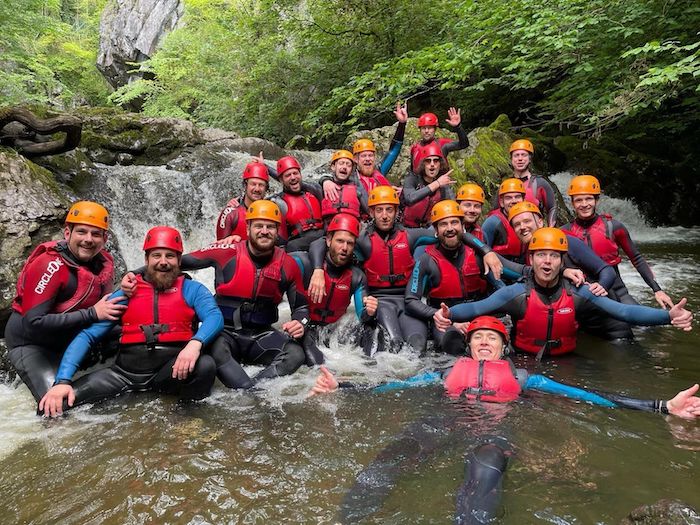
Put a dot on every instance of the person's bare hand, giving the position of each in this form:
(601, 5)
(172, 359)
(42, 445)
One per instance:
(454, 117)
(52, 402)
(109, 309)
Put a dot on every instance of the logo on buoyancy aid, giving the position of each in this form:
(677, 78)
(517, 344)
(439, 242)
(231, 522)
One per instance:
(565, 310)
(224, 214)
(401, 245)
(51, 269)
(342, 286)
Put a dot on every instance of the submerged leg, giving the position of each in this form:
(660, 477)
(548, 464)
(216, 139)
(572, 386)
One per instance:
(479, 497)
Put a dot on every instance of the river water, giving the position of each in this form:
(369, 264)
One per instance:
(274, 456)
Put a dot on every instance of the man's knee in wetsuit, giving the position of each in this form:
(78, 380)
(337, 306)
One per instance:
(451, 341)
(310, 343)
(197, 385)
(286, 362)
(36, 366)
(228, 370)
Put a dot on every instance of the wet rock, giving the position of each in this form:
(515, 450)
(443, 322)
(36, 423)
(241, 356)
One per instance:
(108, 135)
(216, 135)
(663, 512)
(7, 372)
(130, 32)
(32, 208)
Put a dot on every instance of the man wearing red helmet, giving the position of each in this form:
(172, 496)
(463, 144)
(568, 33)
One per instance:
(231, 220)
(429, 184)
(484, 375)
(343, 280)
(427, 124)
(61, 290)
(160, 347)
(300, 204)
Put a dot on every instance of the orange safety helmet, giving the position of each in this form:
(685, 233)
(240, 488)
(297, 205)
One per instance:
(444, 209)
(487, 322)
(163, 237)
(383, 195)
(511, 185)
(522, 144)
(549, 239)
(256, 170)
(342, 154)
(584, 185)
(287, 163)
(263, 209)
(90, 213)
(523, 207)
(428, 119)
(471, 192)
(363, 145)
(344, 222)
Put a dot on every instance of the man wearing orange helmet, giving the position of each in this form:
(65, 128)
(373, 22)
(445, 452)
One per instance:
(159, 348)
(448, 272)
(386, 250)
(538, 190)
(365, 153)
(430, 184)
(605, 236)
(484, 375)
(471, 198)
(343, 280)
(497, 231)
(428, 124)
(546, 309)
(341, 191)
(250, 279)
(231, 220)
(61, 289)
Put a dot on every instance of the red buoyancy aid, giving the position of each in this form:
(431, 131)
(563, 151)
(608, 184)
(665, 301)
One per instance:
(90, 287)
(154, 316)
(251, 283)
(227, 216)
(513, 246)
(303, 213)
(376, 179)
(456, 283)
(390, 263)
(417, 215)
(493, 381)
(347, 202)
(336, 302)
(475, 230)
(599, 237)
(419, 150)
(550, 326)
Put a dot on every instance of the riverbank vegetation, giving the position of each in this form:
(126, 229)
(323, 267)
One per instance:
(323, 68)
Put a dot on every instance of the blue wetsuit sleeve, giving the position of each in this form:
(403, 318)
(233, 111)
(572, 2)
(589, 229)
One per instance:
(592, 265)
(82, 343)
(198, 297)
(630, 313)
(426, 378)
(496, 302)
(544, 384)
(394, 150)
(488, 228)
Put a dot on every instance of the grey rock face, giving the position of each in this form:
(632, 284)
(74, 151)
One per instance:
(663, 512)
(131, 31)
(32, 209)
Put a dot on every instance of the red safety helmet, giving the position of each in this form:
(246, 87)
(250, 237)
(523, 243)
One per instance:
(256, 170)
(163, 237)
(344, 222)
(287, 163)
(487, 322)
(432, 150)
(428, 119)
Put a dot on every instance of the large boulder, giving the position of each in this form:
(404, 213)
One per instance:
(32, 208)
(130, 33)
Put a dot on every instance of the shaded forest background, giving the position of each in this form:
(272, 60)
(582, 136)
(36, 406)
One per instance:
(316, 70)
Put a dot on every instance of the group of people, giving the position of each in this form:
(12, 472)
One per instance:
(415, 260)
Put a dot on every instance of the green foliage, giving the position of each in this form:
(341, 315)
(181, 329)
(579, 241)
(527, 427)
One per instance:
(47, 52)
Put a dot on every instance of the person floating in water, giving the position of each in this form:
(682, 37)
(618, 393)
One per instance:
(485, 375)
